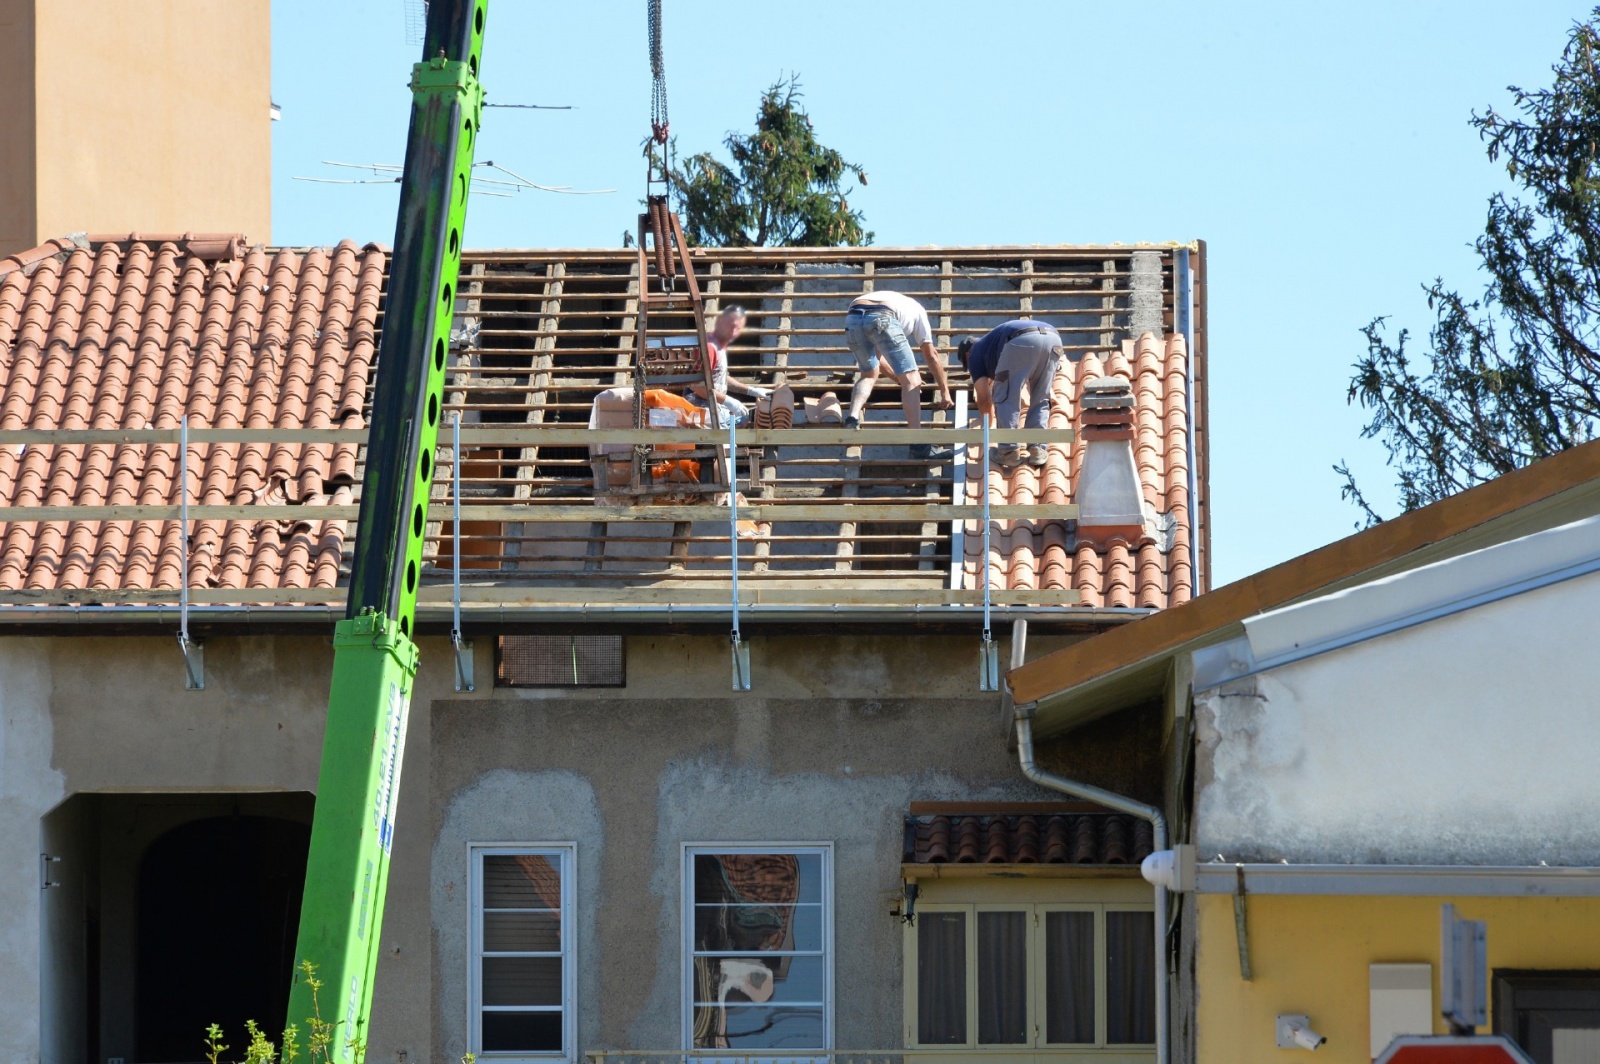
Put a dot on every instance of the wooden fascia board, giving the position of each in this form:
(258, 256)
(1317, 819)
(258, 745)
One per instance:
(1089, 662)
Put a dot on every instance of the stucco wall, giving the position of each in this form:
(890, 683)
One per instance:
(843, 733)
(1310, 955)
(1469, 739)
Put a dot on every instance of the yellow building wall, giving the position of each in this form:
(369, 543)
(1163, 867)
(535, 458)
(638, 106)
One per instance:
(149, 116)
(1310, 955)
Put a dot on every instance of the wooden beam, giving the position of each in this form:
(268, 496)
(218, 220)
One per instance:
(751, 593)
(839, 511)
(513, 435)
(845, 549)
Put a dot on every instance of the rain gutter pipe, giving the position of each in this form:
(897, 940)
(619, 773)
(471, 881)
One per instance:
(1158, 828)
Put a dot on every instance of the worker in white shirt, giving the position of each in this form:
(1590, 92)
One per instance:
(882, 327)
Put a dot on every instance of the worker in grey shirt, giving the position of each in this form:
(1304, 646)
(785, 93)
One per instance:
(882, 327)
(1000, 362)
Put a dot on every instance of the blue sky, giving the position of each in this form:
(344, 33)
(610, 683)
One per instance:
(1322, 151)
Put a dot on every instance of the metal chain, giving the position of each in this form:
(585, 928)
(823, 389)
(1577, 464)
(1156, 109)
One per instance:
(658, 74)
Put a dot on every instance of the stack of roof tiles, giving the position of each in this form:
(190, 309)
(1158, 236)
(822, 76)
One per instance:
(1027, 838)
(136, 331)
(1120, 572)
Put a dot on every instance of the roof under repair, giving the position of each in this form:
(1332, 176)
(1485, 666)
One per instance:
(135, 331)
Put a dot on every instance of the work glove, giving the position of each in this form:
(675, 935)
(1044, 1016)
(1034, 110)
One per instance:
(759, 392)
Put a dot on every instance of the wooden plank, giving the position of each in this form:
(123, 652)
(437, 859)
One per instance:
(845, 549)
(775, 255)
(802, 437)
(958, 497)
(514, 435)
(558, 513)
(763, 549)
(785, 320)
(594, 551)
(623, 373)
(750, 593)
(1025, 290)
(680, 543)
(542, 372)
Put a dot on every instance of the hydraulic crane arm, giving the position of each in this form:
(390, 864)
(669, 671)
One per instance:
(375, 661)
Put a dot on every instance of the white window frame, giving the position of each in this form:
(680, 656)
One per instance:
(689, 851)
(568, 854)
(1036, 972)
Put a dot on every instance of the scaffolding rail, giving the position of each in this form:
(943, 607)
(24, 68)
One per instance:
(819, 527)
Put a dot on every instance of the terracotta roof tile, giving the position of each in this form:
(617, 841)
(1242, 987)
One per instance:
(1082, 838)
(1152, 573)
(135, 331)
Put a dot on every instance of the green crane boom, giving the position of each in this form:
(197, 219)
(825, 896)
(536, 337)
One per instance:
(374, 660)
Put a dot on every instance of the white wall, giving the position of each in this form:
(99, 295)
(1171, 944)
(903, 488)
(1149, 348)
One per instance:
(1472, 739)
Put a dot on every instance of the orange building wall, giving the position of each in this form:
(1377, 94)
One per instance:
(123, 116)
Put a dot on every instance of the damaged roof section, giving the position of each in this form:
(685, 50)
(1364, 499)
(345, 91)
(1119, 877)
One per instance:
(130, 332)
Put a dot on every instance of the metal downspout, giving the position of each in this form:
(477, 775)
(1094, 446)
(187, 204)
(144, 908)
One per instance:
(1158, 826)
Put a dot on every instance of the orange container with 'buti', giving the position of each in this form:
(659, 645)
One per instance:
(665, 410)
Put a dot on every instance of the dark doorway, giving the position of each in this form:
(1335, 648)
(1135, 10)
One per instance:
(218, 910)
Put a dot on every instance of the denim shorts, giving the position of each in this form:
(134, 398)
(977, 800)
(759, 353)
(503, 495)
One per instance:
(873, 332)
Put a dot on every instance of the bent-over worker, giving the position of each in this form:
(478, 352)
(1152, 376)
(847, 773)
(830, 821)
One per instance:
(1019, 352)
(883, 326)
(723, 332)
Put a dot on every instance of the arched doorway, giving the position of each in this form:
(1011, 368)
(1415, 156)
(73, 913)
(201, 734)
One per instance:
(218, 910)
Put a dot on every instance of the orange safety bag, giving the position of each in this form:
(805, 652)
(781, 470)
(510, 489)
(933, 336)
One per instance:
(685, 415)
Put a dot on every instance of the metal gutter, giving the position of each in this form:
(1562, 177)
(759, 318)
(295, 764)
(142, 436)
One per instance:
(1481, 881)
(1158, 826)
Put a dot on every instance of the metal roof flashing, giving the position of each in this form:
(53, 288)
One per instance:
(1386, 570)
(1403, 600)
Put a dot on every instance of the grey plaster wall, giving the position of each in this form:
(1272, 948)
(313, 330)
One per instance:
(843, 733)
(30, 786)
(109, 715)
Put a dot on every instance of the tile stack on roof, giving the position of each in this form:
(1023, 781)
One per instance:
(131, 332)
(1120, 572)
(1080, 838)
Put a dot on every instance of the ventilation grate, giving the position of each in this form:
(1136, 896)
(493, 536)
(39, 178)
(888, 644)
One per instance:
(560, 661)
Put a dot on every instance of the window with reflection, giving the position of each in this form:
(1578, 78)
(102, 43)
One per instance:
(1020, 976)
(758, 924)
(521, 979)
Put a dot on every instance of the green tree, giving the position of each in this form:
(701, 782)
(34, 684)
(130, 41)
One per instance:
(783, 188)
(1514, 375)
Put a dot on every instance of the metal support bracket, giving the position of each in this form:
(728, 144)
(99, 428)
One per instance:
(463, 648)
(194, 655)
(988, 650)
(740, 650)
(441, 76)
